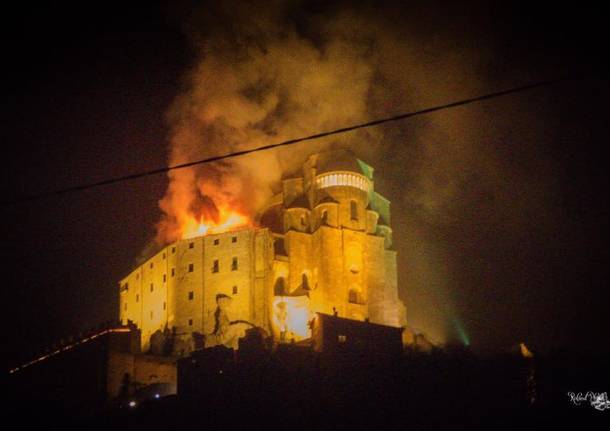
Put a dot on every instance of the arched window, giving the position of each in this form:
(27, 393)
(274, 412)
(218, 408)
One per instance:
(280, 287)
(353, 209)
(324, 218)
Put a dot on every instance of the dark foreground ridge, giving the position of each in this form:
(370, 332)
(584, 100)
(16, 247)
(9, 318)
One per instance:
(295, 387)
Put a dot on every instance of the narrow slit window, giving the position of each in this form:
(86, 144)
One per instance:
(353, 207)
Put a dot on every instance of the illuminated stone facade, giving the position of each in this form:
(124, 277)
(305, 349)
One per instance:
(324, 245)
(177, 287)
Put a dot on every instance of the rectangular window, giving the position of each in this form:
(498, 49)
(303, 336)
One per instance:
(234, 239)
(164, 305)
(137, 298)
(234, 290)
(215, 266)
(216, 241)
(151, 314)
(164, 278)
(125, 307)
(137, 276)
(341, 338)
(191, 267)
(163, 255)
(173, 271)
(151, 287)
(191, 245)
(151, 265)
(173, 250)
(234, 264)
(353, 296)
(190, 322)
(191, 295)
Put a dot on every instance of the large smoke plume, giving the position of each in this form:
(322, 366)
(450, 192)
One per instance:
(258, 81)
(289, 69)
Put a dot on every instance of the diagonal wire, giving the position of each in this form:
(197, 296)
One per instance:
(373, 123)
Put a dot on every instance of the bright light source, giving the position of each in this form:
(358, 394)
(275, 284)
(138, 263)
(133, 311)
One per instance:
(132, 403)
(156, 395)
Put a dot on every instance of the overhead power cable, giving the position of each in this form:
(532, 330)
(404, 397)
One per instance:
(373, 123)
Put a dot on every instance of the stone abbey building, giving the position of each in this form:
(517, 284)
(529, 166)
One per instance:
(322, 245)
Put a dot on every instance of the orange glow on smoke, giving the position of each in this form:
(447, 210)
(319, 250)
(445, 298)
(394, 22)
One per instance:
(226, 220)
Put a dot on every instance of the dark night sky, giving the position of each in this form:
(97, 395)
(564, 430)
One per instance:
(85, 96)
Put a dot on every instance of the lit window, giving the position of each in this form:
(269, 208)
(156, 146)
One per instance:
(234, 290)
(191, 267)
(234, 264)
(191, 295)
(191, 245)
(341, 338)
(215, 266)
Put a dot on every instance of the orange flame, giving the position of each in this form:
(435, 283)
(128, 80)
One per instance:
(228, 219)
